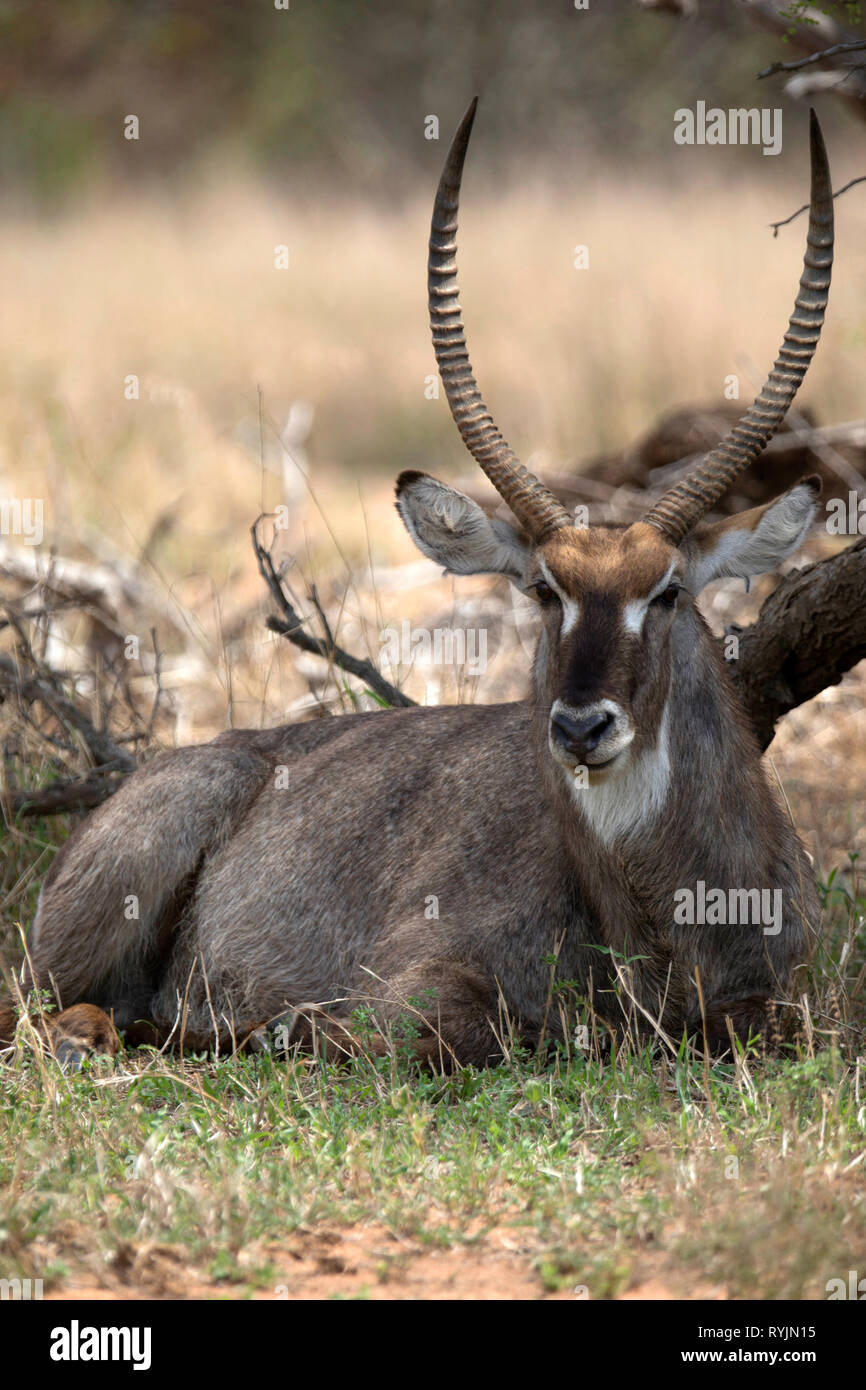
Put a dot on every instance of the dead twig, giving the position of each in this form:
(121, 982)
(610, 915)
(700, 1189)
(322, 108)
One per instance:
(291, 626)
(61, 797)
(854, 46)
(838, 194)
(45, 688)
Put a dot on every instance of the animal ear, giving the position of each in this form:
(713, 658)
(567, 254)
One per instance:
(455, 532)
(751, 542)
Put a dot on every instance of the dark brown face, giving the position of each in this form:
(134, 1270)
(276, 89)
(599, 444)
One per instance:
(609, 598)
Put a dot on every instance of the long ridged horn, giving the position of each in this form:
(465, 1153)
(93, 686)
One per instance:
(684, 505)
(535, 508)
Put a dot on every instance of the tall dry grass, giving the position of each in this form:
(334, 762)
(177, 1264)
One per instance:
(185, 295)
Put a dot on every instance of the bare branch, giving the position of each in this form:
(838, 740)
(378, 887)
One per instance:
(838, 194)
(62, 797)
(291, 626)
(855, 46)
(103, 749)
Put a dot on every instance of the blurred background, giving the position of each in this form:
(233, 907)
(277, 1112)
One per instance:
(164, 379)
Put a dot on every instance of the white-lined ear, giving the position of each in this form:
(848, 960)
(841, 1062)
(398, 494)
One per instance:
(455, 532)
(751, 542)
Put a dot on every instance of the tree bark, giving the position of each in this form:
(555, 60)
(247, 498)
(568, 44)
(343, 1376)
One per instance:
(58, 798)
(810, 631)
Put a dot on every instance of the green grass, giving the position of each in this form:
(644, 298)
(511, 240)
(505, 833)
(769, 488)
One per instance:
(746, 1176)
(255, 1176)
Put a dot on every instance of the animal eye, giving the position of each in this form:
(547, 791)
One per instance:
(543, 593)
(668, 597)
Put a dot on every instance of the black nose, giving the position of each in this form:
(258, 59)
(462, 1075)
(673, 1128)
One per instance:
(579, 736)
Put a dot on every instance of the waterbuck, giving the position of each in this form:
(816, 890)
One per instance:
(433, 862)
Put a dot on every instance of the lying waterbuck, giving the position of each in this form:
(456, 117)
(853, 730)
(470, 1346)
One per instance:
(571, 825)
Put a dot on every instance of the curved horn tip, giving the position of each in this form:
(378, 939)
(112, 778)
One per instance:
(460, 143)
(820, 162)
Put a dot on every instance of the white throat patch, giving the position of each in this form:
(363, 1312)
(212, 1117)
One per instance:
(630, 797)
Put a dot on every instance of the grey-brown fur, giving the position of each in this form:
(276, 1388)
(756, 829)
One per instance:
(316, 893)
(256, 899)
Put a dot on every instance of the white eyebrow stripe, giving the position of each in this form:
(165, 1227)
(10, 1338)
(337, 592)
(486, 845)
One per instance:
(663, 583)
(570, 606)
(635, 610)
(633, 615)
